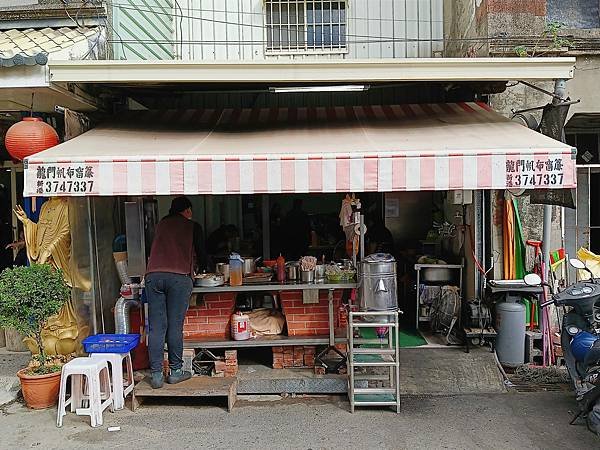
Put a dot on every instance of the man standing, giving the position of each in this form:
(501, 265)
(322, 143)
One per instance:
(177, 250)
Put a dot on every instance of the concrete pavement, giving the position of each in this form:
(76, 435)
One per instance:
(501, 421)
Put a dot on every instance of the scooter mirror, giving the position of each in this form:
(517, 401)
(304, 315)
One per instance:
(577, 264)
(532, 279)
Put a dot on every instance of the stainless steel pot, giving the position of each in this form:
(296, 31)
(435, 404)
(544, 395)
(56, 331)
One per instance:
(308, 276)
(436, 275)
(377, 287)
(249, 265)
(320, 272)
(223, 269)
(292, 271)
(347, 264)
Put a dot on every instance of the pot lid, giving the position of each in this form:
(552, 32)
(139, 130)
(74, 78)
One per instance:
(235, 256)
(379, 258)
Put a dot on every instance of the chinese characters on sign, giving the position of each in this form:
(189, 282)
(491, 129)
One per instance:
(64, 178)
(531, 173)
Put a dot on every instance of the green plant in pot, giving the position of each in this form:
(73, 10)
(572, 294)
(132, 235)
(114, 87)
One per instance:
(29, 296)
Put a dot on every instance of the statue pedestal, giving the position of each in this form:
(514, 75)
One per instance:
(14, 341)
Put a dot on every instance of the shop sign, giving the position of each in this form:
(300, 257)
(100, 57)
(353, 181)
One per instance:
(535, 172)
(67, 179)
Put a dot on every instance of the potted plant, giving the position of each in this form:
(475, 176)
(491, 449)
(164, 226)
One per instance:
(29, 296)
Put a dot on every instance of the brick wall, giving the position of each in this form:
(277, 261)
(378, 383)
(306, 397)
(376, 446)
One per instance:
(211, 318)
(310, 319)
(295, 356)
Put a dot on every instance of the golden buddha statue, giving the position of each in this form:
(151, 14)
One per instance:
(49, 242)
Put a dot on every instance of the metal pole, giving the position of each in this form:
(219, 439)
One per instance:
(547, 227)
(559, 94)
(560, 87)
(13, 201)
(331, 318)
(362, 237)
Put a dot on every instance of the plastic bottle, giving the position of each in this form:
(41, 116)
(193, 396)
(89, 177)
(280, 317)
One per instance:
(235, 269)
(280, 269)
(240, 326)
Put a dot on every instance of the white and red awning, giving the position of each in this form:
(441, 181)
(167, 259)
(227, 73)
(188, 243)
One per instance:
(298, 150)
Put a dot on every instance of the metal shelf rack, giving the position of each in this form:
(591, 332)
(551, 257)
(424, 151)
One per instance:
(418, 267)
(387, 355)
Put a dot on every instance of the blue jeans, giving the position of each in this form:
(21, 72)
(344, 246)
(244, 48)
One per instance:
(168, 297)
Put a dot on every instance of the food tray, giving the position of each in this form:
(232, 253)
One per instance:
(111, 343)
(209, 279)
(344, 275)
(257, 278)
(213, 281)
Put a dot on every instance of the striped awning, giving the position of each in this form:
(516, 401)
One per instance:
(299, 150)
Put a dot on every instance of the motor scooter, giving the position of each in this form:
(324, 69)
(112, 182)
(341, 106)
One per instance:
(580, 340)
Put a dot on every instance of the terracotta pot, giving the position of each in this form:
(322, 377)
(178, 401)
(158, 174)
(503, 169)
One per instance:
(40, 391)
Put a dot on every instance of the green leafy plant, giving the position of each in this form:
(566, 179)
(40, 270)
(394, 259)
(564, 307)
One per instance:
(521, 51)
(551, 31)
(29, 296)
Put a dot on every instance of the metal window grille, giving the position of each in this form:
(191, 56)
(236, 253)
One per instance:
(305, 26)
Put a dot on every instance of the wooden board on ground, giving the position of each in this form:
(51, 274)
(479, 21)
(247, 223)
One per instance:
(194, 387)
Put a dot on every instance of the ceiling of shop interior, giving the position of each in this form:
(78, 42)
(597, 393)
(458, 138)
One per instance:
(192, 96)
(583, 121)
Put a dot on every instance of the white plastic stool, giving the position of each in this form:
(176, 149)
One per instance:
(96, 374)
(120, 388)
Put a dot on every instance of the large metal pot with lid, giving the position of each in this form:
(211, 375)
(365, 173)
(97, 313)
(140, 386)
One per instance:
(249, 264)
(292, 270)
(377, 283)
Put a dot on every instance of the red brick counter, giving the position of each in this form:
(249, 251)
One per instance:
(210, 319)
(309, 319)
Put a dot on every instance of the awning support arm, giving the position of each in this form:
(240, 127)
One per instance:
(569, 103)
(537, 88)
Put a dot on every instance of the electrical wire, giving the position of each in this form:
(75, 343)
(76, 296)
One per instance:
(74, 19)
(107, 25)
(372, 38)
(368, 39)
(252, 13)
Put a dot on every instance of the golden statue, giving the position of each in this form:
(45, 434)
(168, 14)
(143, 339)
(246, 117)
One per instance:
(49, 242)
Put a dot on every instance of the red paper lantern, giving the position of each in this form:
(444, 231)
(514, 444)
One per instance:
(28, 137)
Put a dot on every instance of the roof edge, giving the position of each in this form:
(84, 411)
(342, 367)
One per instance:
(310, 71)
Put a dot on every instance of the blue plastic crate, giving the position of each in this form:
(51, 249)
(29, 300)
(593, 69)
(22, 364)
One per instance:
(111, 343)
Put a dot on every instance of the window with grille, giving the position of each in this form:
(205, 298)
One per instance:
(305, 26)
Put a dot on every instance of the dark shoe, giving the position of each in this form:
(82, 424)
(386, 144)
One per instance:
(177, 376)
(156, 380)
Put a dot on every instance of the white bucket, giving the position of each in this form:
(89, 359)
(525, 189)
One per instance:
(240, 326)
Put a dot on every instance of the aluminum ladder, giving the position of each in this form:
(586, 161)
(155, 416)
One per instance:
(385, 355)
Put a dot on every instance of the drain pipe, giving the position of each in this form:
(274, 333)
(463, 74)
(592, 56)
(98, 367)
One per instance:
(122, 308)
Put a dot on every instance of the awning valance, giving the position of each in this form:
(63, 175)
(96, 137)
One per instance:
(297, 150)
